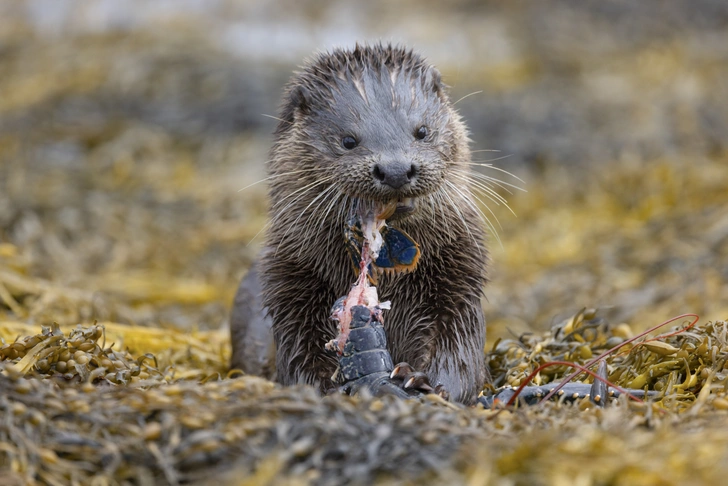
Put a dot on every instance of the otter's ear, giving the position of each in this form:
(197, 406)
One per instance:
(436, 81)
(297, 99)
(300, 99)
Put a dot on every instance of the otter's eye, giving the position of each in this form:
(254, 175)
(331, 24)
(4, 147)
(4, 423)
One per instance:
(421, 132)
(349, 142)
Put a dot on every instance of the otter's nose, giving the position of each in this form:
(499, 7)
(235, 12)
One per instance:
(394, 174)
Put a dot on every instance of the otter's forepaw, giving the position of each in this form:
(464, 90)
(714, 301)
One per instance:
(412, 380)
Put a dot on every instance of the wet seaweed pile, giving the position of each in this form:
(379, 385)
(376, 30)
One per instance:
(74, 409)
(678, 363)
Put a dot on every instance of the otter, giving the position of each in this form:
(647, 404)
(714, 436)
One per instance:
(374, 123)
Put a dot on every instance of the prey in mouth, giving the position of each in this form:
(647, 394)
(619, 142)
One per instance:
(391, 250)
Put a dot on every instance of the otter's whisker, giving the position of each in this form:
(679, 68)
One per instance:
(497, 201)
(332, 204)
(490, 194)
(441, 204)
(293, 225)
(475, 208)
(274, 176)
(305, 189)
(485, 205)
(265, 226)
(485, 161)
(309, 224)
(499, 169)
(336, 200)
(436, 206)
(321, 198)
(462, 219)
(344, 205)
(491, 227)
(498, 182)
(486, 187)
(483, 150)
(488, 181)
(276, 118)
(279, 213)
(467, 96)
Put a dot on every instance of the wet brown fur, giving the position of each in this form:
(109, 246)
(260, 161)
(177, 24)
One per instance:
(436, 322)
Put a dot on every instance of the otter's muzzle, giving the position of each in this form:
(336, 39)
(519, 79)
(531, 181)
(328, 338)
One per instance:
(395, 174)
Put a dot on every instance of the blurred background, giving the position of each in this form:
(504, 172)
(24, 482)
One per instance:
(127, 129)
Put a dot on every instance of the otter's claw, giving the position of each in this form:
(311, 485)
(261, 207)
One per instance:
(401, 371)
(410, 379)
(418, 381)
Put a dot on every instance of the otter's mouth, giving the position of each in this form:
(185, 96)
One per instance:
(398, 209)
(388, 249)
(405, 206)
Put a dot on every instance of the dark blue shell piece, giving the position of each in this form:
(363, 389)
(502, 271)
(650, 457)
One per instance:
(398, 249)
(398, 252)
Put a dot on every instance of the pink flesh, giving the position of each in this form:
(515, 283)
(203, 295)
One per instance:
(361, 293)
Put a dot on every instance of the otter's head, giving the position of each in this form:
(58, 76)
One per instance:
(375, 121)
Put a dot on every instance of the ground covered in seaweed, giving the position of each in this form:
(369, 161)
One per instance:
(75, 409)
(122, 149)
